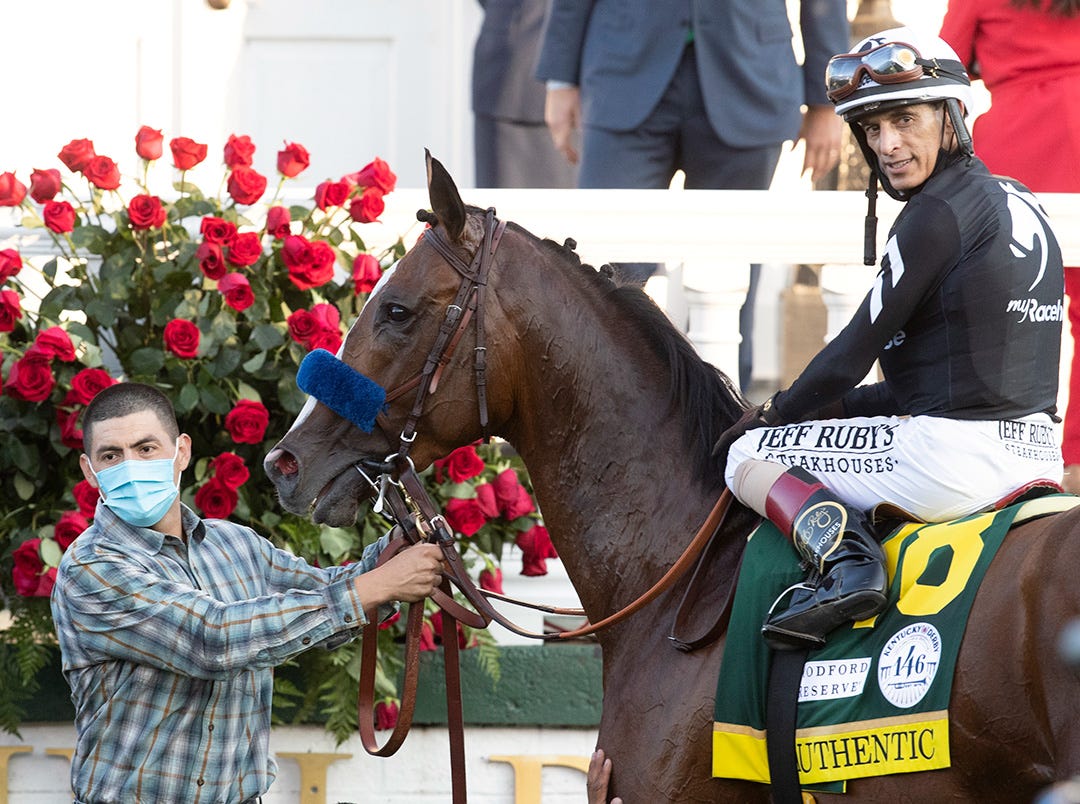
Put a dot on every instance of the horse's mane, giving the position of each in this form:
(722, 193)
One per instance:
(707, 396)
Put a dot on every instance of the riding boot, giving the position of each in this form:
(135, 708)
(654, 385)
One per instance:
(848, 581)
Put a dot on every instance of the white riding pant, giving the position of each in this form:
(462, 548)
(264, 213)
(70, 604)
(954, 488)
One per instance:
(934, 468)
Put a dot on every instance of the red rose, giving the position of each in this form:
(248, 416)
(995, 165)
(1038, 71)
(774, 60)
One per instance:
(229, 468)
(237, 291)
(375, 174)
(211, 260)
(246, 186)
(311, 265)
(247, 422)
(506, 486)
(325, 339)
(215, 499)
(367, 207)
(465, 516)
(389, 621)
(148, 143)
(292, 160)
(491, 580)
(181, 338)
(86, 384)
(186, 153)
(331, 194)
(277, 222)
(386, 715)
(146, 212)
(437, 627)
(103, 173)
(29, 573)
(485, 498)
(59, 216)
(45, 184)
(246, 249)
(55, 342)
(366, 273)
(218, 231)
(10, 310)
(427, 637)
(68, 528)
(12, 191)
(536, 548)
(10, 264)
(77, 154)
(239, 151)
(302, 326)
(296, 252)
(31, 378)
(68, 420)
(462, 464)
(327, 317)
(86, 497)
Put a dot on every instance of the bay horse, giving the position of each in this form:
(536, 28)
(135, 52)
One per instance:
(615, 416)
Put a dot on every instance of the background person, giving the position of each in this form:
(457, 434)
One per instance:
(1028, 54)
(712, 89)
(512, 147)
(169, 625)
(965, 319)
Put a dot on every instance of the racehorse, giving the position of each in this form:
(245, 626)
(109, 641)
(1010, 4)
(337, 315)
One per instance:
(615, 416)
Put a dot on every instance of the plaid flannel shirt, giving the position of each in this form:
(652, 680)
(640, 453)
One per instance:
(168, 647)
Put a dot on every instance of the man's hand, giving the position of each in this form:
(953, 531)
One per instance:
(411, 575)
(598, 778)
(822, 129)
(562, 113)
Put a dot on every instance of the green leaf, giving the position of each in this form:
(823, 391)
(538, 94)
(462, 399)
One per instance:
(147, 361)
(90, 237)
(102, 310)
(460, 491)
(24, 487)
(50, 553)
(214, 399)
(23, 457)
(267, 336)
(225, 362)
(289, 395)
(255, 363)
(187, 399)
(336, 542)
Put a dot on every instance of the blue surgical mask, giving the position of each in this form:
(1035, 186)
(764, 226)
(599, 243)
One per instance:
(140, 492)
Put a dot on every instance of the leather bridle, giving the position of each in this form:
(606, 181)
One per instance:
(418, 519)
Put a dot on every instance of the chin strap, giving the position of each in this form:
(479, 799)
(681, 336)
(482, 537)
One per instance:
(963, 136)
(870, 224)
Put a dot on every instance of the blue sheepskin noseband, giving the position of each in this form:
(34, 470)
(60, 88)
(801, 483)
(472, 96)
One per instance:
(341, 388)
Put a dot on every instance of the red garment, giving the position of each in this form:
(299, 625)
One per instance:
(1030, 63)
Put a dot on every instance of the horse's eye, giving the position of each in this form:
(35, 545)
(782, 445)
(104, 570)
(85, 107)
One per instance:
(398, 313)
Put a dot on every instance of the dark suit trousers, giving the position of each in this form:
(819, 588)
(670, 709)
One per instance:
(517, 154)
(675, 136)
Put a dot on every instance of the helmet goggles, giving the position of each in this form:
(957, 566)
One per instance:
(891, 63)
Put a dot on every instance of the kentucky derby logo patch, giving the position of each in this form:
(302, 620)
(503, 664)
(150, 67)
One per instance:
(908, 664)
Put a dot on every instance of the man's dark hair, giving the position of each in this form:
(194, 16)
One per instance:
(126, 398)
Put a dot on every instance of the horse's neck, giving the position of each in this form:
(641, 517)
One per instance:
(605, 452)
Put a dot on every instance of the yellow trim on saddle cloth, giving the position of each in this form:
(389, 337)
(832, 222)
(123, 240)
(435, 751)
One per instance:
(902, 744)
(875, 699)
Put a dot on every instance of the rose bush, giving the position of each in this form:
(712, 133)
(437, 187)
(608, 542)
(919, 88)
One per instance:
(215, 300)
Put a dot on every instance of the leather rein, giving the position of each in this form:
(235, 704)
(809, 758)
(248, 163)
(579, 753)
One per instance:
(400, 489)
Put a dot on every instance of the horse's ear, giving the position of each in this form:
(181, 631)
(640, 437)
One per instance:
(445, 201)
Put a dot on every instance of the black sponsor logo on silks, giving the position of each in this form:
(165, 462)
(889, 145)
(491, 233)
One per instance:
(846, 437)
(1027, 433)
(825, 464)
(1031, 310)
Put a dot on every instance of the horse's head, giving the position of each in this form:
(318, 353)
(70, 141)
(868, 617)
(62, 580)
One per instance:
(417, 338)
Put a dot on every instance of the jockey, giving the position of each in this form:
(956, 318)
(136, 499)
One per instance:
(964, 318)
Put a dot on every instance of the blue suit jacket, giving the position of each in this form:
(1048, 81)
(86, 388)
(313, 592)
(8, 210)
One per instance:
(623, 53)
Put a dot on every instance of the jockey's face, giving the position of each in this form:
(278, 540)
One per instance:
(907, 140)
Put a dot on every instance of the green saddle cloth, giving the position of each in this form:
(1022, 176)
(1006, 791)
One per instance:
(875, 699)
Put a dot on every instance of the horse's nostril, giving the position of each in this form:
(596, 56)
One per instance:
(287, 464)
